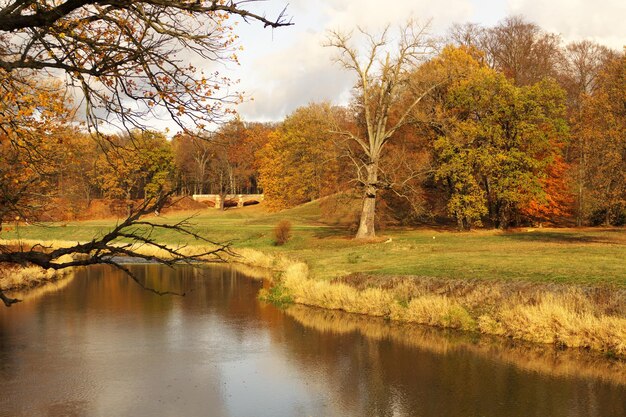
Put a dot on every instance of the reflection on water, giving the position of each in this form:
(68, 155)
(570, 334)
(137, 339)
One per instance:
(100, 346)
(526, 356)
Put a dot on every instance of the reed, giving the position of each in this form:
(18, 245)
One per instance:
(560, 315)
(14, 278)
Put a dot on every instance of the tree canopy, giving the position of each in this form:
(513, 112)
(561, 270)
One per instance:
(129, 58)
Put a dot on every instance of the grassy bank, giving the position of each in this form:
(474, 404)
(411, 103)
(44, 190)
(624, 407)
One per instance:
(560, 286)
(21, 278)
(564, 315)
(583, 256)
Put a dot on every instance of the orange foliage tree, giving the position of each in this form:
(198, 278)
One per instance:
(34, 131)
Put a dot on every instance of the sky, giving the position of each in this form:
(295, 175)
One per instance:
(283, 69)
(286, 68)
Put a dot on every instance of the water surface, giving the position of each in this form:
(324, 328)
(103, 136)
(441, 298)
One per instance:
(98, 345)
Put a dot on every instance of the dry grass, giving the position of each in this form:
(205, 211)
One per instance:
(15, 277)
(561, 315)
(560, 320)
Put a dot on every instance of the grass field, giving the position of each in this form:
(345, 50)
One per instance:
(585, 256)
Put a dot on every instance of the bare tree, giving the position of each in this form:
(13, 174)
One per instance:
(470, 35)
(516, 47)
(582, 63)
(383, 74)
(522, 50)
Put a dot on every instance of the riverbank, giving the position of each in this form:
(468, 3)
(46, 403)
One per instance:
(20, 278)
(578, 256)
(565, 287)
(563, 315)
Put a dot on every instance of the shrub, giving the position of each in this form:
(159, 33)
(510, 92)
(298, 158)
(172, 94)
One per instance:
(282, 232)
(276, 295)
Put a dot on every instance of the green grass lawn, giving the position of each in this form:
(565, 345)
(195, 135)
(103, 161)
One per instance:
(549, 255)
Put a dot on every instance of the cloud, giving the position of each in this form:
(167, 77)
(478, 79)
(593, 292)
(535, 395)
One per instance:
(600, 20)
(293, 77)
(300, 70)
(372, 14)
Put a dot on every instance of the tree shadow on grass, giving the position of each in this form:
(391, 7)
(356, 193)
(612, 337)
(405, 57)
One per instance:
(557, 237)
(334, 232)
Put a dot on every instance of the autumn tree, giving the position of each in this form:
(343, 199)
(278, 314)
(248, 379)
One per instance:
(496, 142)
(383, 73)
(136, 166)
(602, 128)
(130, 61)
(34, 132)
(299, 162)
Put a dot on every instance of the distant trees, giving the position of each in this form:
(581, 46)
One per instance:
(192, 156)
(235, 147)
(602, 131)
(136, 166)
(222, 162)
(583, 64)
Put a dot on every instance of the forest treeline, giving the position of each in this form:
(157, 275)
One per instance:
(516, 128)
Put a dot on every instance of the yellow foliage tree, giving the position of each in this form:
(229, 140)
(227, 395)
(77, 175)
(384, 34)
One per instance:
(300, 162)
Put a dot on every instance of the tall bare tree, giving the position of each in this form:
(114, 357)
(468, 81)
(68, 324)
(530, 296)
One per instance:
(383, 70)
(583, 62)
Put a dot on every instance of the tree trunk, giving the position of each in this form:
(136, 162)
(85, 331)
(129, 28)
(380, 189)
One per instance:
(459, 222)
(368, 213)
(581, 183)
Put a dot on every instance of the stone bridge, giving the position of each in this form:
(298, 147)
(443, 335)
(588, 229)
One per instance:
(231, 200)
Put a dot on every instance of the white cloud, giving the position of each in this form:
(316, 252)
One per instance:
(346, 14)
(300, 70)
(292, 77)
(599, 20)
